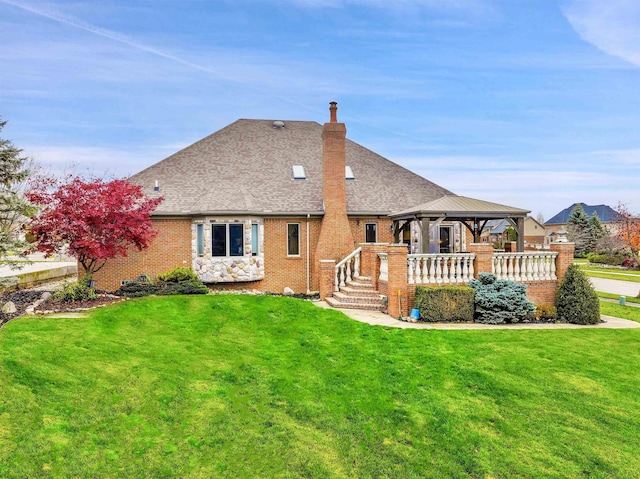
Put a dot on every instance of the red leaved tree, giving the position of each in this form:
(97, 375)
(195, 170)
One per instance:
(627, 227)
(92, 220)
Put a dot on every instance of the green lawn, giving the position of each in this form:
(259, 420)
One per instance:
(624, 312)
(629, 299)
(237, 386)
(610, 273)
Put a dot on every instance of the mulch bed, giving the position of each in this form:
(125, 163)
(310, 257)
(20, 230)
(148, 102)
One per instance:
(23, 298)
(49, 305)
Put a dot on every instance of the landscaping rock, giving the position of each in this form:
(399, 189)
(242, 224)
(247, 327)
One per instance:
(9, 308)
(288, 292)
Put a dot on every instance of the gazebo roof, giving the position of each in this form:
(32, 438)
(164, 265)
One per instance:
(457, 207)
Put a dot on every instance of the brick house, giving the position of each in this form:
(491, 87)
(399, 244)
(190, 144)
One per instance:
(265, 205)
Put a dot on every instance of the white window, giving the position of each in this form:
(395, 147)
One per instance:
(200, 239)
(293, 239)
(254, 240)
(370, 232)
(227, 239)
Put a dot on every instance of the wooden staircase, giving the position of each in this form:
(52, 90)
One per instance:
(357, 293)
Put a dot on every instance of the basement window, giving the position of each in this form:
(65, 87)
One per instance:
(298, 172)
(348, 173)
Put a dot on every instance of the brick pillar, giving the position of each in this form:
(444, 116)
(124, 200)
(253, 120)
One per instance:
(369, 261)
(327, 276)
(484, 255)
(564, 259)
(398, 280)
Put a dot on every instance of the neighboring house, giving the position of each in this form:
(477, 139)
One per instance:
(534, 233)
(258, 204)
(606, 214)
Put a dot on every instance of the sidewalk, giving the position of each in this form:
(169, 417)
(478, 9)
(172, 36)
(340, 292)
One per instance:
(377, 318)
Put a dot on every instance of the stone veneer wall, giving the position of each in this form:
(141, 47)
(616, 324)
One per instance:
(231, 269)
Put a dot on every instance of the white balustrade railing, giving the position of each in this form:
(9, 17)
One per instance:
(384, 267)
(347, 269)
(456, 268)
(526, 266)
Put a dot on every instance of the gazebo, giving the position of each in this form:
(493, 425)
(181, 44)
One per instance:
(472, 213)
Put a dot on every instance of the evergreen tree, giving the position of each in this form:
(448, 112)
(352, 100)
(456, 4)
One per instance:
(14, 209)
(597, 231)
(577, 301)
(578, 229)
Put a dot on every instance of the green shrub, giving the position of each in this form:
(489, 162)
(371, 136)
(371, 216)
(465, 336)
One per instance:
(136, 289)
(446, 303)
(78, 291)
(183, 287)
(177, 275)
(577, 301)
(545, 311)
(499, 301)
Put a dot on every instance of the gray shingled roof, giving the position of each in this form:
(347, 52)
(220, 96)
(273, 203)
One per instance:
(245, 168)
(454, 206)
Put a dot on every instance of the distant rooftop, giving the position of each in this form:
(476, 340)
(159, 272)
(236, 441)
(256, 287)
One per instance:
(604, 212)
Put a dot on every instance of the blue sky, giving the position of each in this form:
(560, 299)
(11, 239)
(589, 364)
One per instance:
(534, 104)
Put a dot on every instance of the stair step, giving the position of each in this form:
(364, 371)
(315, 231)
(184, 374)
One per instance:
(337, 304)
(363, 279)
(358, 285)
(365, 293)
(346, 298)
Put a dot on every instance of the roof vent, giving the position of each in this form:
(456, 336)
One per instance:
(279, 125)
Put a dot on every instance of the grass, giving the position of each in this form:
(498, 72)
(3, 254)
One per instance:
(629, 299)
(618, 311)
(238, 386)
(609, 273)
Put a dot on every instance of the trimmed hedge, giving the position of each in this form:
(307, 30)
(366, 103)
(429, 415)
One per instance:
(446, 303)
(500, 301)
(577, 301)
(162, 288)
(177, 275)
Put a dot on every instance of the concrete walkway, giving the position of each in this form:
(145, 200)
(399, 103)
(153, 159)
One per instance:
(37, 272)
(614, 286)
(377, 318)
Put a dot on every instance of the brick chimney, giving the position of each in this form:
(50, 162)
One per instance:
(336, 240)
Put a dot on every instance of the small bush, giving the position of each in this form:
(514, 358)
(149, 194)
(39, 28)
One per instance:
(447, 303)
(136, 289)
(79, 291)
(631, 263)
(614, 257)
(577, 301)
(545, 311)
(183, 287)
(177, 275)
(499, 301)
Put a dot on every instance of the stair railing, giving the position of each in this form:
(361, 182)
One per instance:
(345, 268)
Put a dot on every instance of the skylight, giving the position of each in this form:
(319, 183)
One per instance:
(298, 172)
(348, 173)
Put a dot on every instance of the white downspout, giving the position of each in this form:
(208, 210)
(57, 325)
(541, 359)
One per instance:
(308, 260)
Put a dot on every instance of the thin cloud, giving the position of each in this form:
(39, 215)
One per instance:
(386, 4)
(613, 27)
